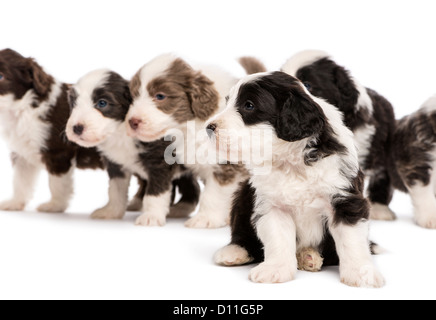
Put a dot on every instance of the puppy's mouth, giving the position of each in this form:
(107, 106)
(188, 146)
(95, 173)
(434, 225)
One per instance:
(149, 136)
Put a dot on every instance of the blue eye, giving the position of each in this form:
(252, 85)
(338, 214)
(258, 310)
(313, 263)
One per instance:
(160, 97)
(101, 104)
(307, 85)
(249, 106)
(1, 77)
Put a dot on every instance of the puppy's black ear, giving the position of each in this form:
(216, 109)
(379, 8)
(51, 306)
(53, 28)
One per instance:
(348, 92)
(300, 118)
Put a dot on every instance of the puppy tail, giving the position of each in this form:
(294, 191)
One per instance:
(252, 65)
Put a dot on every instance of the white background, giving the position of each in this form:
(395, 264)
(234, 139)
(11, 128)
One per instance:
(388, 45)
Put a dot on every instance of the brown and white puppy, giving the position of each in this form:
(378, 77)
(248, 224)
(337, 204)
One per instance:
(413, 159)
(172, 98)
(100, 101)
(33, 113)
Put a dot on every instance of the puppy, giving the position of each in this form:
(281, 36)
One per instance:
(33, 113)
(314, 186)
(413, 158)
(100, 102)
(171, 98)
(369, 115)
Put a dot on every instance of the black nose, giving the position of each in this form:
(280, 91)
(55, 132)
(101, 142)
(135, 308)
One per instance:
(211, 129)
(78, 129)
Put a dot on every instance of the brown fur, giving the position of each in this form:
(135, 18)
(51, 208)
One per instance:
(227, 173)
(252, 65)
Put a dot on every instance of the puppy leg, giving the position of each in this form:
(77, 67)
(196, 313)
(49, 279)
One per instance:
(380, 192)
(277, 231)
(119, 181)
(215, 205)
(424, 204)
(61, 188)
(356, 267)
(190, 191)
(245, 246)
(136, 203)
(25, 174)
(156, 206)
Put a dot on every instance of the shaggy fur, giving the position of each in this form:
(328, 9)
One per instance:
(100, 102)
(172, 98)
(413, 160)
(315, 186)
(33, 113)
(369, 115)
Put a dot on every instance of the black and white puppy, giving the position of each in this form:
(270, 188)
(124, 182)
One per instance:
(369, 115)
(414, 161)
(33, 113)
(314, 184)
(100, 102)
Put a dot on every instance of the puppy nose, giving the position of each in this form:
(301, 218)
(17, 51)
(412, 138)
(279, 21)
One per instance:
(211, 129)
(78, 129)
(134, 123)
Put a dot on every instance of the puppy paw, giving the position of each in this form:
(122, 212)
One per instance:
(12, 205)
(182, 210)
(107, 213)
(429, 222)
(232, 255)
(135, 205)
(366, 276)
(201, 221)
(52, 207)
(310, 260)
(272, 273)
(381, 212)
(149, 220)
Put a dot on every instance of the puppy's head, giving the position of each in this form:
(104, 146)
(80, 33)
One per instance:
(324, 78)
(167, 92)
(99, 103)
(18, 76)
(270, 102)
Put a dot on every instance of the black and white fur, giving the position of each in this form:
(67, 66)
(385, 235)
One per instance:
(315, 185)
(413, 160)
(100, 102)
(369, 115)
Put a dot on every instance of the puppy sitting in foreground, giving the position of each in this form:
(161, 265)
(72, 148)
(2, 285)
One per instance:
(33, 113)
(314, 185)
(100, 102)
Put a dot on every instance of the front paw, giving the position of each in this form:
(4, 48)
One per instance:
(149, 220)
(232, 255)
(203, 221)
(428, 222)
(108, 213)
(52, 207)
(381, 212)
(12, 205)
(272, 273)
(366, 276)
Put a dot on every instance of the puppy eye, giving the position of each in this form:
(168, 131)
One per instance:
(249, 106)
(160, 97)
(1, 77)
(307, 85)
(101, 104)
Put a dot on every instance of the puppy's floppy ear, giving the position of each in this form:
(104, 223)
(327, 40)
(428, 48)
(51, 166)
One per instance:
(348, 92)
(204, 97)
(40, 79)
(300, 118)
